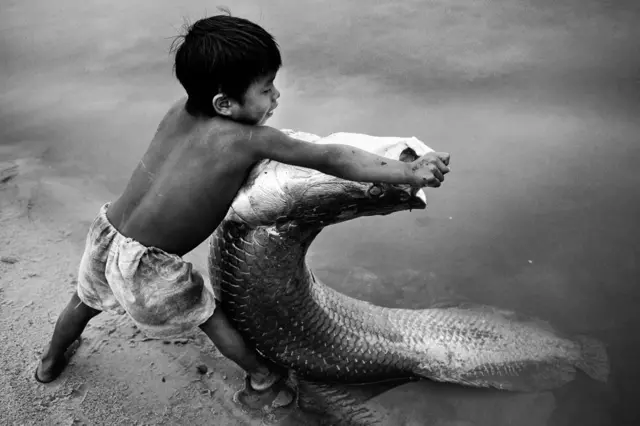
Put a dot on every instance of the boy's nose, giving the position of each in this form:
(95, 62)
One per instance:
(276, 93)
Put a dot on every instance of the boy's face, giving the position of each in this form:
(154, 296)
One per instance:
(260, 100)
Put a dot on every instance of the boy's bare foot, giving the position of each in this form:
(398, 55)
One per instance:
(263, 380)
(274, 402)
(49, 369)
(276, 395)
(260, 381)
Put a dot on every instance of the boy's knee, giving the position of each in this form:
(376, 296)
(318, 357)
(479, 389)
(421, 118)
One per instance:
(82, 308)
(218, 321)
(91, 312)
(209, 324)
(78, 305)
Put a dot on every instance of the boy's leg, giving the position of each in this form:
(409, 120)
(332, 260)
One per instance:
(232, 345)
(69, 327)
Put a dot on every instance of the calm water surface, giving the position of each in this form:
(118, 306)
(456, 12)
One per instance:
(538, 102)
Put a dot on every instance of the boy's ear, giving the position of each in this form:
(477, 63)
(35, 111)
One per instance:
(222, 105)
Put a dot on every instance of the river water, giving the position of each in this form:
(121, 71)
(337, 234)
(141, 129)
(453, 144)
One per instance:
(538, 102)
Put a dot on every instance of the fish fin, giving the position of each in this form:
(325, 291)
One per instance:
(532, 377)
(526, 319)
(515, 377)
(470, 306)
(594, 360)
(501, 312)
(339, 404)
(445, 303)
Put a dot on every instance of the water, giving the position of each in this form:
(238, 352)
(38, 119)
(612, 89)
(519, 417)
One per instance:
(538, 102)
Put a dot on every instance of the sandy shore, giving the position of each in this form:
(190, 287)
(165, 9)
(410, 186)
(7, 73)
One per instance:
(117, 375)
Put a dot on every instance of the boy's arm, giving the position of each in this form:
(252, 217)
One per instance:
(347, 162)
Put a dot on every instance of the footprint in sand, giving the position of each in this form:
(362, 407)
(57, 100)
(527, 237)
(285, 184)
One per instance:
(78, 394)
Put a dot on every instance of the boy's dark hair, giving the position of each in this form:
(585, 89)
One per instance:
(223, 54)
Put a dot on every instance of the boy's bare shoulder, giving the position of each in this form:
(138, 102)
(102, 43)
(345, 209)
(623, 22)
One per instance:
(241, 138)
(173, 113)
(256, 139)
(219, 136)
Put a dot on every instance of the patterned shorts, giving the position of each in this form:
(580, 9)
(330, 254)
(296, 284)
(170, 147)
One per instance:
(161, 292)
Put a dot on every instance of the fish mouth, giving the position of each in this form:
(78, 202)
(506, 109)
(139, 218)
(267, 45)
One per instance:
(383, 198)
(396, 197)
(277, 193)
(417, 199)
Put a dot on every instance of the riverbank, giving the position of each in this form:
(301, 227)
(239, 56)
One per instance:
(117, 375)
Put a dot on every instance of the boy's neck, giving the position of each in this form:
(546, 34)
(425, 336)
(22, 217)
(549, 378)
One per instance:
(198, 109)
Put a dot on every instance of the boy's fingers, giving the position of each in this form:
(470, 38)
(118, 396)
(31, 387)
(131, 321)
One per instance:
(438, 174)
(444, 156)
(432, 181)
(442, 167)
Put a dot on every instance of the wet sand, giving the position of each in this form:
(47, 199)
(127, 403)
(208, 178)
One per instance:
(117, 376)
(538, 101)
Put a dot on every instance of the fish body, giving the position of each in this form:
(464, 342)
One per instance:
(257, 259)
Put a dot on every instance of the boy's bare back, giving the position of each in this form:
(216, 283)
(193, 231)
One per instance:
(184, 184)
(206, 144)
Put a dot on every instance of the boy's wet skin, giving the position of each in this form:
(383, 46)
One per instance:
(183, 186)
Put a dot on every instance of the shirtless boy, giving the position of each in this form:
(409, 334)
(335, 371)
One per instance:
(183, 186)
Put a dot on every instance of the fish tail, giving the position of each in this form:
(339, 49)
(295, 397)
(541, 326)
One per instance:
(593, 360)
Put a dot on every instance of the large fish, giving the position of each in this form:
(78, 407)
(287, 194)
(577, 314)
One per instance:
(257, 258)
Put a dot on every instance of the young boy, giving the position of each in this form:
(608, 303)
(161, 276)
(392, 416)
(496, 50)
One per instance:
(183, 186)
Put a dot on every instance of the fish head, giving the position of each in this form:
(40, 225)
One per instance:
(277, 193)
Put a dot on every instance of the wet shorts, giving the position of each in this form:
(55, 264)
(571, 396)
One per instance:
(161, 292)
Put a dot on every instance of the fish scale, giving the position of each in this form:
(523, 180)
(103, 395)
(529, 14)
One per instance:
(258, 261)
(330, 336)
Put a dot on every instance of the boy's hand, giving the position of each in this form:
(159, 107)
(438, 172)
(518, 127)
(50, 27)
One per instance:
(429, 170)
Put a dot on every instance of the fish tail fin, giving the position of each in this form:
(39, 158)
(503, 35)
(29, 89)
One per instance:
(530, 377)
(337, 404)
(593, 360)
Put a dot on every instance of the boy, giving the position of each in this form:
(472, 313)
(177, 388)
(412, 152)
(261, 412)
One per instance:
(183, 186)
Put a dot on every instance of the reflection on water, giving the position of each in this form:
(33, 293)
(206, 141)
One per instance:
(536, 101)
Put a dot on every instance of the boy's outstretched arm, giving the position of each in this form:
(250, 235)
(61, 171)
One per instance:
(348, 162)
